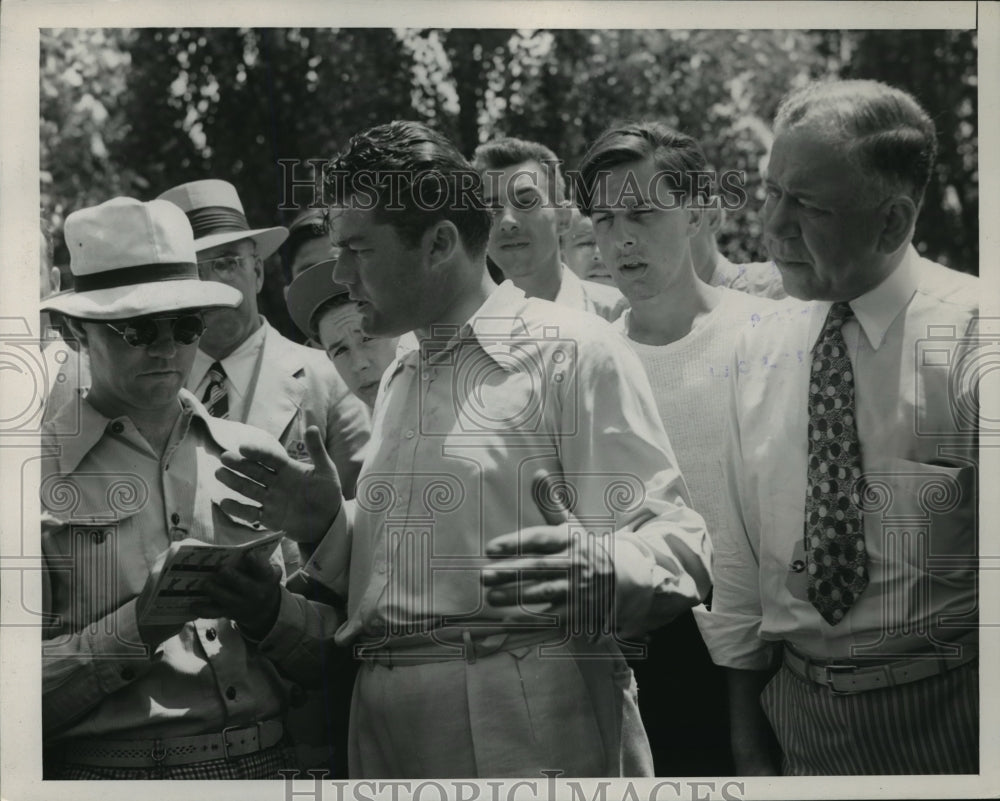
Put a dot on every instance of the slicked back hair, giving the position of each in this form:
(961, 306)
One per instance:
(884, 131)
(508, 151)
(626, 143)
(414, 178)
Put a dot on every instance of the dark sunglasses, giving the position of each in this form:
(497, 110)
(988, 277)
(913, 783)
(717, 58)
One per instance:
(142, 332)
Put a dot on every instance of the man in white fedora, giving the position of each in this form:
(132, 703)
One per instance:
(122, 698)
(244, 369)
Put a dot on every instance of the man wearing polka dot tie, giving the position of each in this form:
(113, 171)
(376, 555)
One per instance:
(845, 604)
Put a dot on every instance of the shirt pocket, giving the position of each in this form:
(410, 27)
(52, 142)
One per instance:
(923, 514)
(94, 567)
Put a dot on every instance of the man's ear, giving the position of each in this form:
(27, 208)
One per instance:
(440, 242)
(76, 330)
(898, 218)
(258, 271)
(564, 216)
(695, 219)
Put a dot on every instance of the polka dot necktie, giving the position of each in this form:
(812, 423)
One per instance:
(216, 397)
(835, 542)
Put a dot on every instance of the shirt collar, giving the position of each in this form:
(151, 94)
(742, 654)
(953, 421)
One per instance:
(877, 308)
(571, 292)
(239, 365)
(492, 325)
(94, 426)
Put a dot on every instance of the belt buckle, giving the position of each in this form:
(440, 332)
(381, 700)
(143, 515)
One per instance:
(831, 671)
(158, 752)
(225, 740)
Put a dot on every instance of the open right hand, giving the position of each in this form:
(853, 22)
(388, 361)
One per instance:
(297, 498)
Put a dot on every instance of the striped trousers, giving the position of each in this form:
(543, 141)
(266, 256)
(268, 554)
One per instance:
(928, 726)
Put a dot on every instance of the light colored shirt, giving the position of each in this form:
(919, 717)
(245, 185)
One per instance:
(240, 367)
(589, 296)
(460, 428)
(760, 278)
(111, 505)
(691, 380)
(915, 426)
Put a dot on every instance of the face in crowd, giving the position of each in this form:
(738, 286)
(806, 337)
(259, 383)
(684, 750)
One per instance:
(643, 228)
(580, 252)
(237, 265)
(527, 223)
(359, 358)
(821, 227)
(140, 365)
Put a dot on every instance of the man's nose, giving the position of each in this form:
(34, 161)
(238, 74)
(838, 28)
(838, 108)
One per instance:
(164, 346)
(343, 270)
(360, 360)
(508, 220)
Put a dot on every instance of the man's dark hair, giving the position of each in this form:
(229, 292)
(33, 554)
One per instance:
(508, 151)
(886, 134)
(674, 153)
(416, 178)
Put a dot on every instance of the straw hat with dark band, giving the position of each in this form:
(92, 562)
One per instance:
(216, 215)
(130, 259)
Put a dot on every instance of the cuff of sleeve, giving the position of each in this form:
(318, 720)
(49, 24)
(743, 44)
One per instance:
(329, 563)
(733, 642)
(116, 650)
(638, 579)
(286, 632)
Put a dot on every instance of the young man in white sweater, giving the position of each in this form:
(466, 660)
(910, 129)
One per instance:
(640, 187)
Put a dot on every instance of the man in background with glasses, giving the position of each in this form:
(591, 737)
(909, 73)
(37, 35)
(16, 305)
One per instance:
(124, 476)
(244, 369)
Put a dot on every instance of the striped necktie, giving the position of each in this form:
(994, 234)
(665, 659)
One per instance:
(216, 397)
(835, 540)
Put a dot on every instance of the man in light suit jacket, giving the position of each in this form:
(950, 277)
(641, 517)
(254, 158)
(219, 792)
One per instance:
(245, 370)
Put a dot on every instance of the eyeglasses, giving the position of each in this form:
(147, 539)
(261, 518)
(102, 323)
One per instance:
(142, 332)
(222, 267)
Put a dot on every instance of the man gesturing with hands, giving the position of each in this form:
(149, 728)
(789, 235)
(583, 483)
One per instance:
(520, 513)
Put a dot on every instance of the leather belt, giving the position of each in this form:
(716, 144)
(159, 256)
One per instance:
(443, 645)
(234, 741)
(850, 676)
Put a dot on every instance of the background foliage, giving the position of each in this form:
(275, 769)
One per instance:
(136, 111)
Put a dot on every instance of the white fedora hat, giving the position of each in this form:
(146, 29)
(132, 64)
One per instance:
(216, 215)
(130, 259)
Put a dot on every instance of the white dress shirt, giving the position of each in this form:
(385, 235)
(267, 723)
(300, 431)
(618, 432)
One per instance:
(915, 423)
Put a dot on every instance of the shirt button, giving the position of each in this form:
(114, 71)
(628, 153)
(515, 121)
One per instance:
(380, 569)
(117, 427)
(410, 434)
(211, 634)
(175, 518)
(177, 534)
(231, 693)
